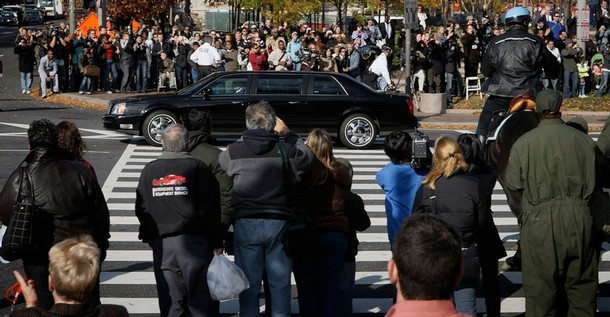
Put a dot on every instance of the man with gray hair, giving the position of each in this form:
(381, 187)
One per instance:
(178, 206)
(206, 57)
(261, 208)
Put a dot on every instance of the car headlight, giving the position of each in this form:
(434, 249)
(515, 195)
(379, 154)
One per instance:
(119, 108)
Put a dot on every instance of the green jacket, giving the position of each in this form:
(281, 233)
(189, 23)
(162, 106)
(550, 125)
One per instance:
(200, 149)
(554, 165)
(570, 58)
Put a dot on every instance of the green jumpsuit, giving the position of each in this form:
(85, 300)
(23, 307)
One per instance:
(555, 167)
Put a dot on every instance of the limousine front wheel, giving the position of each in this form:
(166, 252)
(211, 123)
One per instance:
(358, 131)
(154, 125)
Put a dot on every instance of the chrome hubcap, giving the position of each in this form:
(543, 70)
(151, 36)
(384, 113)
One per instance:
(359, 131)
(157, 125)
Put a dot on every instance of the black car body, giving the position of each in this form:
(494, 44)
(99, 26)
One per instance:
(33, 17)
(7, 18)
(335, 102)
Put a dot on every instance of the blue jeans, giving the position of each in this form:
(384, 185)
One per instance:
(382, 84)
(449, 77)
(569, 90)
(110, 69)
(604, 84)
(552, 82)
(194, 74)
(86, 84)
(465, 298)
(319, 280)
(347, 285)
(26, 80)
(258, 248)
(296, 66)
(142, 75)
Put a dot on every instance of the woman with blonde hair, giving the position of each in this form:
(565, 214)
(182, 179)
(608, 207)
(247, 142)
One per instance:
(456, 197)
(318, 271)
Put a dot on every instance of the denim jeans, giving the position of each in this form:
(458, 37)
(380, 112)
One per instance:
(258, 248)
(604, 84)
(194, 74)
(142, 76)
(86, 84)
(318, 278)
(347, 286)
(465, 298)
(552, 82)
(296, 66)
(26, 81)
(459, 87)
(110, 69)
(62, 73)
(569, 90)
(382, 84)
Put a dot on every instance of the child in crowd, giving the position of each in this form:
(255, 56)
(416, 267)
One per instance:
(583, 73)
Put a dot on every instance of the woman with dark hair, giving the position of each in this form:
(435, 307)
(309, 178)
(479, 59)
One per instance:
(490, 249)
(318, 274)
(70, 139)
(456, 197)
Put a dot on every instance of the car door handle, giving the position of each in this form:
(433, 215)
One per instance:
(293, 102)
(237, 102)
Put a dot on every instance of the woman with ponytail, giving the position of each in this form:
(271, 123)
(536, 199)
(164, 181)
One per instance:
(456, 197)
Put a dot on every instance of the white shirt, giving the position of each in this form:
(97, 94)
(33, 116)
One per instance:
(555, 52)
(206, 55)
(380, 67)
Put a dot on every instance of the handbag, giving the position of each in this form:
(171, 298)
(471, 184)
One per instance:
(19, 237)
(301, 238)
(91, 71)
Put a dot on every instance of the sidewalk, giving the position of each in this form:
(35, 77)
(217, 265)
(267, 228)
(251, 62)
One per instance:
(453, 119)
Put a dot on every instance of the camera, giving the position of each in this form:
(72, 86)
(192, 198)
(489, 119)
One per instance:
(421, 156)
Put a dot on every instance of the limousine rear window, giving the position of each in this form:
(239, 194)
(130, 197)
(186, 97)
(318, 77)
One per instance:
(279, 85)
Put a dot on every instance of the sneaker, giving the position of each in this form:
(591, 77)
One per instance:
(109, 92)
(44, 97)
(89, 93)
(28, 92)
(23, 91)
(81, 92)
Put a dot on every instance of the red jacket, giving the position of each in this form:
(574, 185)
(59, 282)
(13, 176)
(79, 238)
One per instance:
(258, 61)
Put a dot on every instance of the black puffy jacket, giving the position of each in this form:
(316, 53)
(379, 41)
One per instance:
(69, 199)
(513, 63)
(459, 202)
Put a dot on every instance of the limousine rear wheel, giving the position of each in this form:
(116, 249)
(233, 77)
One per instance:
(154, 125)
(358, 131)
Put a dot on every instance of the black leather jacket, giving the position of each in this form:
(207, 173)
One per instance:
(69, 199)
(513, 63)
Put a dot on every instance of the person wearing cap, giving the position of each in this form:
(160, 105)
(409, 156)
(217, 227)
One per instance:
(554, 166)
(570, 57)
(513, 64)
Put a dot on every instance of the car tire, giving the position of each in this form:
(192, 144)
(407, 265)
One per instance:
(155, 123)
(358, 131)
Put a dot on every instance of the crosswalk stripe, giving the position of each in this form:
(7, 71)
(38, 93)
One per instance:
(128, 251)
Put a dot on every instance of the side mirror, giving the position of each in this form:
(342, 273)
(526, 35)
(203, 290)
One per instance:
(206, 93)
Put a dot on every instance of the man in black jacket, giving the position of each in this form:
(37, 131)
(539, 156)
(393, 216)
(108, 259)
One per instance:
(177, 204)
(26, 64)
(513, 63)
(260, 205)
(69, 201)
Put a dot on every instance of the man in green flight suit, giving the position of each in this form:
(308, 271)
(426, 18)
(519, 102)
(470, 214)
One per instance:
(555, 167)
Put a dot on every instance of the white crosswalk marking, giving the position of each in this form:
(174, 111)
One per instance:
(129, 262)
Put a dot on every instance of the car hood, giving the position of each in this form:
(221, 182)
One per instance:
(157, 96)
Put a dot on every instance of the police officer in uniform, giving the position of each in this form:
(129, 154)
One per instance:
(554, 166)
(512, 63)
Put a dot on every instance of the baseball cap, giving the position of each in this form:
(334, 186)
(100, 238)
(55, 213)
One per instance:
(548, 100)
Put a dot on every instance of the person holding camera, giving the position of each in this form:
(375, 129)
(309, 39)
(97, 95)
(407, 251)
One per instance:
(86, 59)
(310, 58)
(59, 45)
(26, 64)
(605, 72)
(570, 56)
(294, 49)
(142, 57)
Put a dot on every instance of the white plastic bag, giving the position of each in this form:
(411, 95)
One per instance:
(225, 279)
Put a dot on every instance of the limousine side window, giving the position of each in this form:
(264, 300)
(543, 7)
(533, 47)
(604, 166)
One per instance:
(325, 86)
(289, 85)
(228, 86)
